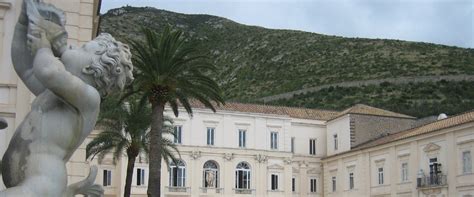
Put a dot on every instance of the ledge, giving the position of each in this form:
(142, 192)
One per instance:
(378, 186)
(275, 191)
(8, 85)
(465, 174)
(351, 190)
(404, 183)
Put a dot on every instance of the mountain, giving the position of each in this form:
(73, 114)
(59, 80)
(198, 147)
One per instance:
(415, 78)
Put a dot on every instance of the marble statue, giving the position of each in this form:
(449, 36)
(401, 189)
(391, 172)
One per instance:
(210, 178)
(68, 83)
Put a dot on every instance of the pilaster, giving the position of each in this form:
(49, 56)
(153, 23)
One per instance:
(288, 175)
(451, 163)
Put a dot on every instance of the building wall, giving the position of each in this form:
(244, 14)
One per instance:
(416, 152)
(340, 127)
(15, 98)
(367, 127)
(263, 160)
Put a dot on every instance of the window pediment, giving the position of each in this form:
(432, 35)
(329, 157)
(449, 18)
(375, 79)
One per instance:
(431, 147)
(211, 123)
(350, 168)
(380, 162)
(275, 167)
(313, 171)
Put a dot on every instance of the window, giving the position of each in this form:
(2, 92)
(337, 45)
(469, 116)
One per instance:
(177, 174)
(312, 146)
(242, 176)
(107, 179)
(274, 140)
(242, 138)
(312, 185)
(351, 180)
(333, 184)
(293, 145)
(140, 176)
(211, 175)
(210, 136)
(293, 184)
(335, 142)
(274, 183)
(466, 162)
(404, 174)
(380, 176)
(177, 134)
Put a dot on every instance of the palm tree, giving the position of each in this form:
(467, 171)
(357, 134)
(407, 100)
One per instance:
(170, 71)
(126, 130)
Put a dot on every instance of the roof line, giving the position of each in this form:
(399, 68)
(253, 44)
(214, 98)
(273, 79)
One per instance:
(360, 146)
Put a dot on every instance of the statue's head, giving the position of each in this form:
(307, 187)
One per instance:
(111, 66)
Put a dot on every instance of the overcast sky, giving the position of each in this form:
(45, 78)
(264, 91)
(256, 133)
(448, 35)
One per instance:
(449, 22)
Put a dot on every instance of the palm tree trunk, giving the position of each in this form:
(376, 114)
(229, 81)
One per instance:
(128, 179)
(154, 177)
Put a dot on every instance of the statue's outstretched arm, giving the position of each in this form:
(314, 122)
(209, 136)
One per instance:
(52, 74)
(22, 57)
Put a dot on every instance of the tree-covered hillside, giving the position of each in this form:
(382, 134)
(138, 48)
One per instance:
(255, 62)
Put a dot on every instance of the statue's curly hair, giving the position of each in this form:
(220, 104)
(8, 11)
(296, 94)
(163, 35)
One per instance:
(112, 67)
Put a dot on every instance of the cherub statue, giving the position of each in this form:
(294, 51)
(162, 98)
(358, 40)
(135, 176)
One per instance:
(68, 84)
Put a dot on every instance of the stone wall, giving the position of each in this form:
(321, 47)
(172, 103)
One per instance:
(366, 127)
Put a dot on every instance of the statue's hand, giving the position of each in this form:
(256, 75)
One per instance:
(37, 41)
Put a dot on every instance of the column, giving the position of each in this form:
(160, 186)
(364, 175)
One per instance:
(228, 171)
(413, 166)
(303, 182)
(288, 175)
(450, 168)
(393, 165)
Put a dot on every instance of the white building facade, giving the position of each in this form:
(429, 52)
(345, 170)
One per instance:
(432, 160)
(239, 153)
(256, 150)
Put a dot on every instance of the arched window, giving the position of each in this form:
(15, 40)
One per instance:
(211, 174)
(242, 176)
(177, 174)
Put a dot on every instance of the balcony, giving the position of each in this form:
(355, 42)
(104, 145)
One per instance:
(243, 191)
(431, 181)
(179, 189)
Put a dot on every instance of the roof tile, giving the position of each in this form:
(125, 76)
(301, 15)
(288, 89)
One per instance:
(294, 112)
(431, 127)
(368, 110)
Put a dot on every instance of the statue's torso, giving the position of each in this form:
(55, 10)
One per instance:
(53, 127)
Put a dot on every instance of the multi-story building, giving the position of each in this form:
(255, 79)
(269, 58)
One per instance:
(434, 159)
(259, 150)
